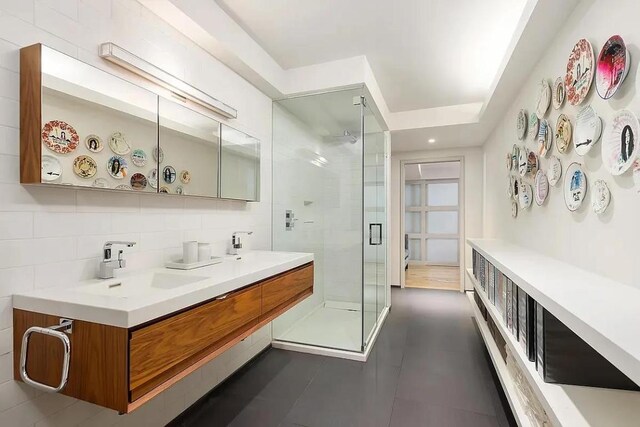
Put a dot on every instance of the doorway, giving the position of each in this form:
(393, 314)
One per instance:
(432, 225)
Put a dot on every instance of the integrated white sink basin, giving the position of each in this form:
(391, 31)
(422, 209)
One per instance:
(137, 285)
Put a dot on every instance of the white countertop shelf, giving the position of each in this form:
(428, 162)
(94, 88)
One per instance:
(134, 298)
(601, 311)
(566, 405)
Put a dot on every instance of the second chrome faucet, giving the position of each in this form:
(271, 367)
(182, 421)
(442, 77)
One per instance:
(108, 264)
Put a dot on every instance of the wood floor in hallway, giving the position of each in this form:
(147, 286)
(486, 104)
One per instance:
(428, 368)
(433, 277)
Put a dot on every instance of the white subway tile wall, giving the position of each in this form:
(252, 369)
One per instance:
(52, 237)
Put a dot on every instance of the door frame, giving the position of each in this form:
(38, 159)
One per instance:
(461, 211)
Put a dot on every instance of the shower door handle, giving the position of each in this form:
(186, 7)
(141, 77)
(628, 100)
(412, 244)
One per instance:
(378, 240)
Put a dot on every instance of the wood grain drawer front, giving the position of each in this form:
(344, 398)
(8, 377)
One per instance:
(161, 350)
(281, 289)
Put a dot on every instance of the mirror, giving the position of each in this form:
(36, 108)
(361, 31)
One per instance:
(239, 166)
(189, 153)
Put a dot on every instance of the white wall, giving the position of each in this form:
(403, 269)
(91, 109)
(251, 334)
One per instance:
(472, 159)
(603, 244)
(52, 237)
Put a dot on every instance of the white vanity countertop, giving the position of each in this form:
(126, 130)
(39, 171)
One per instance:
(146, 295)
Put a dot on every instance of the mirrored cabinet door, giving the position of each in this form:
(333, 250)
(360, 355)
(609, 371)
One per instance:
(189, 151)
(239, 166)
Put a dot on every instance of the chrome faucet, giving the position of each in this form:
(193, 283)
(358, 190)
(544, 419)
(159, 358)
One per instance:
(235, 241)
(108, 265)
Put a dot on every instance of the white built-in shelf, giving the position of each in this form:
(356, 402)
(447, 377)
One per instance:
(566, 405)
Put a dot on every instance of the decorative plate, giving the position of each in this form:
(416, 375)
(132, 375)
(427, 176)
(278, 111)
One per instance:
(124, 187)
(51, 169)
(514, 209)
(100, 183)
(580, 72)
(139, 157)
(636, 174)
(521, 124)
(179, 190)
(541, 184)
(85, 166)
(164, 190)
(185, 176)
(544, 138)
(558, 93)
(614, 62)
(138, 181)
(94, 143)
(118, 144)
(60, 136)
(533, 163)
(153, 178)
(169, 174)
(117, 167)
(575, 186)
(620, 148)
(522, 161)
(510, 187)
(588, 130)
(533, 125)
(515, 152)
(600, 196)
(525, 196)
(555, 170)
(158, 155)
(507, 162)
(544, 98)
(516, 189)
(564, 132)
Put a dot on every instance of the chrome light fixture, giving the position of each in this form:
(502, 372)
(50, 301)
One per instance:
(114, 53)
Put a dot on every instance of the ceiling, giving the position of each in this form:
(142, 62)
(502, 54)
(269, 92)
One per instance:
(424, 53)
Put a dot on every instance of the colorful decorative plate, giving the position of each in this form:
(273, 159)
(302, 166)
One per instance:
(620, 148)
(525, 195)
(153, 178)
(516, 189)
(117, 167)
(138, 181)
(124, 187)
(636, 174)
(575, 186)
(158, 155)
(521, 124)
(588, 130)
(544, 138)
(533, 125)
(614, 62)
(169, 174)
(510, 187)
(544, 98)
(185, 176)
(541, 184)
(51, 169)
(94, 143)
(533, 163)
(139, 157)
(514, 209)
(580, 72)
(558, 95)
(555, 170)
(564, 132)
(163, 190)
(85, 166)
(515, 152)
(60, 136)
(600, 196)
(522, 161)
(179, 190)
(100, 183)
(118, 144)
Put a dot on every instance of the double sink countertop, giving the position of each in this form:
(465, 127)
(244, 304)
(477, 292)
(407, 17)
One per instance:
(131, 299)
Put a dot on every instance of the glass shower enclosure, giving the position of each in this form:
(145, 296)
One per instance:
(329, 198)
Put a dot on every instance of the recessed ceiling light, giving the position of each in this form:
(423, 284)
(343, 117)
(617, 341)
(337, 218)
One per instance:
(431, 141)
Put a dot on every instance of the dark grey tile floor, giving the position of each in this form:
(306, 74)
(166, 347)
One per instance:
(428, 367)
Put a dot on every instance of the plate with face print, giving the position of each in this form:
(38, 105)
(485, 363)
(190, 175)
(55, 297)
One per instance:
(575, 186)
(119, 144)
(522, 161)
(558, 93)
(185, 177)
(564, 132)
(600, 196)
(588, 130)
(514, 209)
(555, 170)
(614, 62)
(620, 148)
(51, 169)
(60, 137)
(85, 166)
(117, 167)
(533, 163)
(544, 98)
(100, 183)
(169, 174)
(138, 181)
(580, 72)
(153, 178)
(544, 138)
(525, 196)
(139, 157)
(533, 125)
(521, 124)
(94, 143)
(541, 188)
(515, 152)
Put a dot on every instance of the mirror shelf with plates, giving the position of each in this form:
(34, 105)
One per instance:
(85, 128)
